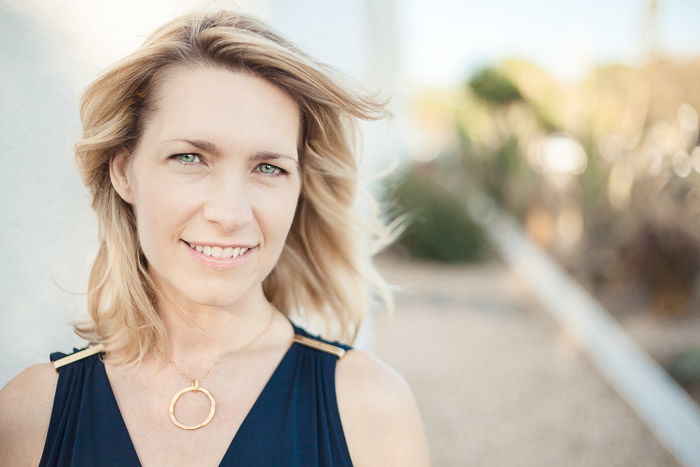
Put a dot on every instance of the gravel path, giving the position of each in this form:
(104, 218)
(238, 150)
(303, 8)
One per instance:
(496, 381)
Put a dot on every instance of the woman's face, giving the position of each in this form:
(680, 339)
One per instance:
(217, 164)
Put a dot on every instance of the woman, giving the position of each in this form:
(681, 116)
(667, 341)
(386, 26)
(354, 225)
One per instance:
(220, 165)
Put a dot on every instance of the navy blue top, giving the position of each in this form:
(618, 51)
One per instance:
(294, 421)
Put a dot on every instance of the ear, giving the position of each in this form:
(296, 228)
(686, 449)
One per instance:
(119, 175)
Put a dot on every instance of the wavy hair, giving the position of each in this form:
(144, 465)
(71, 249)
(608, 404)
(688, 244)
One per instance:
(325, 273)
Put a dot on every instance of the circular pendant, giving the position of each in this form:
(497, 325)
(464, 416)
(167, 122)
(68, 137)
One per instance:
(194, 388)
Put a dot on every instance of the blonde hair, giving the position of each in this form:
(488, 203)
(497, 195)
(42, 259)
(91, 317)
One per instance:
(325, 271)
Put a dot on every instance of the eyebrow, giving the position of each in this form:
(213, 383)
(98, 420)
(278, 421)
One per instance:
(212, 148)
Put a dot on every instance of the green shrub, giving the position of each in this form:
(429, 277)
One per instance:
(684, 366)
(440, 229)
(494, 87)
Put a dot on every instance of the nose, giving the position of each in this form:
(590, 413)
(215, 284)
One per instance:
(228, 204)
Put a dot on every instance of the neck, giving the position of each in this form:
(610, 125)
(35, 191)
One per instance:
(198, 335)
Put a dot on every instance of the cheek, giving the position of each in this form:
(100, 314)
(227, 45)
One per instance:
(284, 214)
(278, 214)
(159, 209)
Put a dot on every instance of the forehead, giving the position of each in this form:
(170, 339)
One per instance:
(231, 106)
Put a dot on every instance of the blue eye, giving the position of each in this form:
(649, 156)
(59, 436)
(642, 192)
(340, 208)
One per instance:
(272, 169)
(190, 158)
(186, 162)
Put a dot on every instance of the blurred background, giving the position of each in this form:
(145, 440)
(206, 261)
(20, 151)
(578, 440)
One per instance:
(548, 286)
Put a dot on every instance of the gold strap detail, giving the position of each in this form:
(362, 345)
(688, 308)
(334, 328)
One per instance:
(334, 349)
(92, 350)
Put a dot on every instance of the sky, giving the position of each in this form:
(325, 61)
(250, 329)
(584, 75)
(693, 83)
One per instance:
(443, 41)
(438, 42)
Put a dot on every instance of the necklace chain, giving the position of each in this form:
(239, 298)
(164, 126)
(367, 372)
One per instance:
(239, 349)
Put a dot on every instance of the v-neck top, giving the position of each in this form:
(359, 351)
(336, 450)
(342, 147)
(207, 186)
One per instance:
(293, 422)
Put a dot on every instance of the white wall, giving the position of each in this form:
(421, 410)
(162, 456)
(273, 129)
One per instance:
(50, 52)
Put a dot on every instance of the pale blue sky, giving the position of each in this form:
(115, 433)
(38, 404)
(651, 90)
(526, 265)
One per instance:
(442, 40)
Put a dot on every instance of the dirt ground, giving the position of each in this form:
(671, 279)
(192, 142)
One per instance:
(496, 381)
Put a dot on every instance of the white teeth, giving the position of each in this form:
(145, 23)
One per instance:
(218, 252)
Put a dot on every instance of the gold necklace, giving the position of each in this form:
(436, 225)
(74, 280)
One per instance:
(197, 388)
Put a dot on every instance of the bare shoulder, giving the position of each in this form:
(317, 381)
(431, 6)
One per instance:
(378, 410)
(25, 411)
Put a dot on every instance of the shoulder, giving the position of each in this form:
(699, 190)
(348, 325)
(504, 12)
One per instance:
(25, 411)
(379, 413)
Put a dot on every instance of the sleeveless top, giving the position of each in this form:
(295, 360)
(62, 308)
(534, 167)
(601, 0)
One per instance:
(293, 422)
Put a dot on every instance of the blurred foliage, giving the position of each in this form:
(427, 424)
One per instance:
(494, 87)
(440, 229)
(665, 259)
(604, 173)
(684, 366)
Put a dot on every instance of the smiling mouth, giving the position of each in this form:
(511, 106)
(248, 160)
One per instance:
(217, 252)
